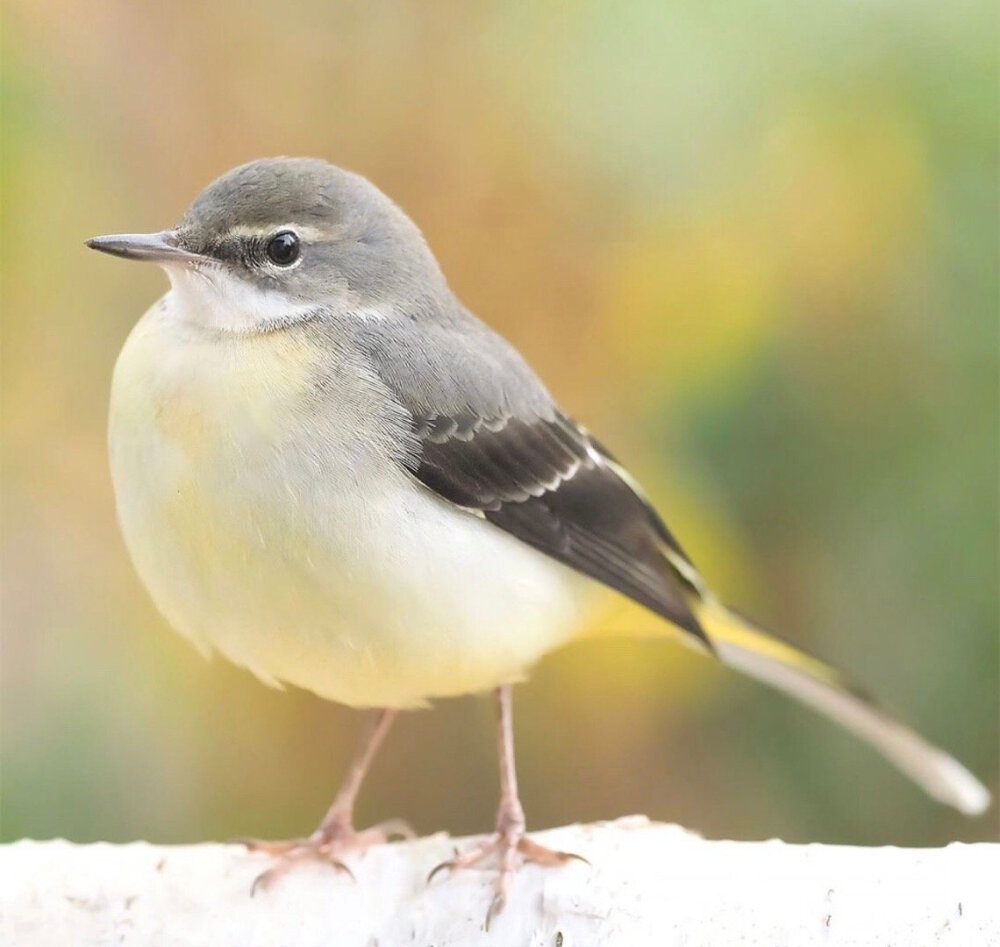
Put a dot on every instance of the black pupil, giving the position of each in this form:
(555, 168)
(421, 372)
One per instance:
(283, 248)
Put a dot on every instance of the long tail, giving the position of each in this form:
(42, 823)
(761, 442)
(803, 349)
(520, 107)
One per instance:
(746, 648)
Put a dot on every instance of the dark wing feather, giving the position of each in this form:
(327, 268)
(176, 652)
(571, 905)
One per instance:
(549, 484)
(487, 437)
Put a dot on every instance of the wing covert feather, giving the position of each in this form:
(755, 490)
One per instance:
(488, 438)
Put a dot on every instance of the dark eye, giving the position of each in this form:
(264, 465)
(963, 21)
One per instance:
(283, 248)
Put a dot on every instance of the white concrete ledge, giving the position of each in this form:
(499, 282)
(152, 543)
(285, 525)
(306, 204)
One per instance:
(649, 885)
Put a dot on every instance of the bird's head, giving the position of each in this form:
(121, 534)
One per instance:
(277, 240)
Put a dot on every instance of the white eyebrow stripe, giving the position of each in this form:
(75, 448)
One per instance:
(305, 231)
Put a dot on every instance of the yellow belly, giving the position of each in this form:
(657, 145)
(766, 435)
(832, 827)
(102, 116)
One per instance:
(270, 523)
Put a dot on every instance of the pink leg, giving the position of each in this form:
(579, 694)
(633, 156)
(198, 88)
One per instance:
(336, 834)
(508, 845)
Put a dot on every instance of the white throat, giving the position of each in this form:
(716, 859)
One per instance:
(214, 298)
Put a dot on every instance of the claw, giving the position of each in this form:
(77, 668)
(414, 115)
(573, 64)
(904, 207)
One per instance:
(394, 828)
(341, 867)
(443, 866)
(512, 851)
(290, 858)
(261, 881)
(322, 846)
(547, 856)
(498, 903)
(448, 865)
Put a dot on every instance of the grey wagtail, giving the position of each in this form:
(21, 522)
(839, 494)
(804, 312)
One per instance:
(329, 470)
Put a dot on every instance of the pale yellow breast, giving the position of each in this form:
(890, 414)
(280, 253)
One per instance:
(195, 420)
(269, 518)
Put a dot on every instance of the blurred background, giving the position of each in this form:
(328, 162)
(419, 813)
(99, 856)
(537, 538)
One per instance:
(754, 247)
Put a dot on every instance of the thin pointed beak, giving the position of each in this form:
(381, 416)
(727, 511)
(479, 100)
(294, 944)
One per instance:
(160, 247)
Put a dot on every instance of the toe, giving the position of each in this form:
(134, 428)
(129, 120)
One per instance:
(466, 860)
(541, 855)
(271, 848)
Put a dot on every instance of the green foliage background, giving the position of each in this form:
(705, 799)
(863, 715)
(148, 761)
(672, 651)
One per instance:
(753, 246)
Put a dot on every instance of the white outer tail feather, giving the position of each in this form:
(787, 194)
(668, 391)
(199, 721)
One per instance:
(743, 647)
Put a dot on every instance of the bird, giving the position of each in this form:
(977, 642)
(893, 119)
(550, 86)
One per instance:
(328, 470)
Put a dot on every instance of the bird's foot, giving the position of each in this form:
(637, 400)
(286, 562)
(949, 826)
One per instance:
(327, 845)
(507, 849)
